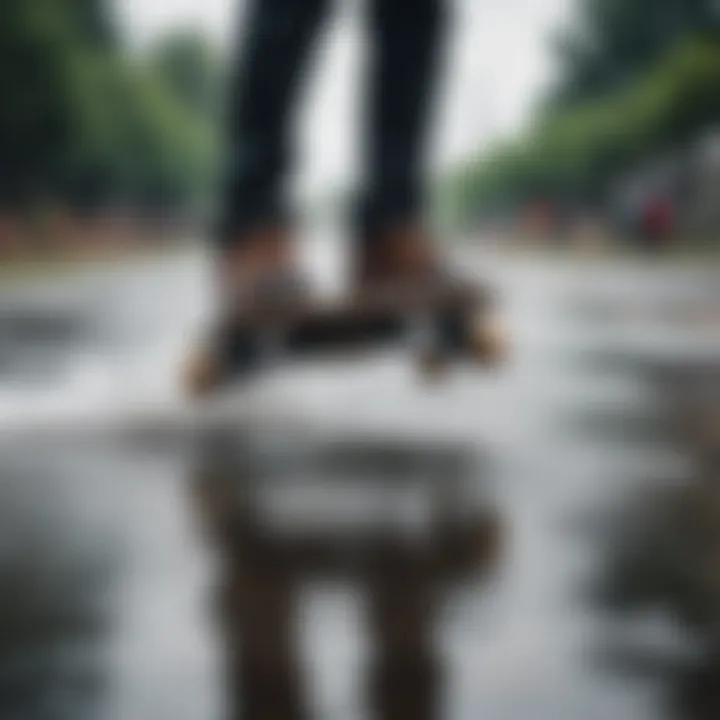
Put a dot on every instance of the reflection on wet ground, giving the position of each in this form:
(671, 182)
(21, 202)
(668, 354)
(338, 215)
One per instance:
(659, 579)
(397, 529)
(31, 340)
(56, 585)
(559, 558)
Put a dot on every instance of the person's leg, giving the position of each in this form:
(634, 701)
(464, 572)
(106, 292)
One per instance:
(405, 674)
(255, 265)
(272, 60)
(406, 38)
(257, 624)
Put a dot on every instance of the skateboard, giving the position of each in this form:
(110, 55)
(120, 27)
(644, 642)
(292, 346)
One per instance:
(438, 326)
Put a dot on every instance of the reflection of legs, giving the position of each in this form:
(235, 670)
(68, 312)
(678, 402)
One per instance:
(404, 682)
(263, 669)
(406, 42)
(274, 56)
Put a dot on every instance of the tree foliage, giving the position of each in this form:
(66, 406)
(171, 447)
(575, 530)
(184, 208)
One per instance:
(83, 122)
(574, 153)
(189, 66)
(613, 42)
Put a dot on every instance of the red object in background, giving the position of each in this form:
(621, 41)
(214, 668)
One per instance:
(659, 218)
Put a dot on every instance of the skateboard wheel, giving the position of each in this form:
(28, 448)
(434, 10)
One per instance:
(489, 342)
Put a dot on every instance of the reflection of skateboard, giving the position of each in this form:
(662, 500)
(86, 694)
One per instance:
(438, 325)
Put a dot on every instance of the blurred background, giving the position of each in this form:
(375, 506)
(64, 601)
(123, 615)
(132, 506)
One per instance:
(600, 118)
(536, 542)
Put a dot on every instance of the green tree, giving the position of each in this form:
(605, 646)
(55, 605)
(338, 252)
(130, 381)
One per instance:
(613, 42)
(83, 122)
(36, 42)
(187, 63)
(134, 141)
(573, 155)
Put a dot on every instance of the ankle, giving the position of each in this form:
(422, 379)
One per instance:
(261, 251)
(399, 252)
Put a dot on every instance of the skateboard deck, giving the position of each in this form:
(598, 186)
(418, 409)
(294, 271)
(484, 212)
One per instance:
(436, 325)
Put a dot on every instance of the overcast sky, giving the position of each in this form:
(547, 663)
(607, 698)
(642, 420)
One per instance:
(499, 63)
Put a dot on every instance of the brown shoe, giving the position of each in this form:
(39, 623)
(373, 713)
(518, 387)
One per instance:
(403, 261)
(397, 257)
(259, 271)
(257, 275)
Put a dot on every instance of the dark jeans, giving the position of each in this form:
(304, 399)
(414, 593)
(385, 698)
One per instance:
(405, 38)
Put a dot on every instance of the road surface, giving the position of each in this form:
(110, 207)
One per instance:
(105, 581)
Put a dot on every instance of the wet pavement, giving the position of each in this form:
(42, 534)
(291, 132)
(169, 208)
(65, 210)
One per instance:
(541, 541)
